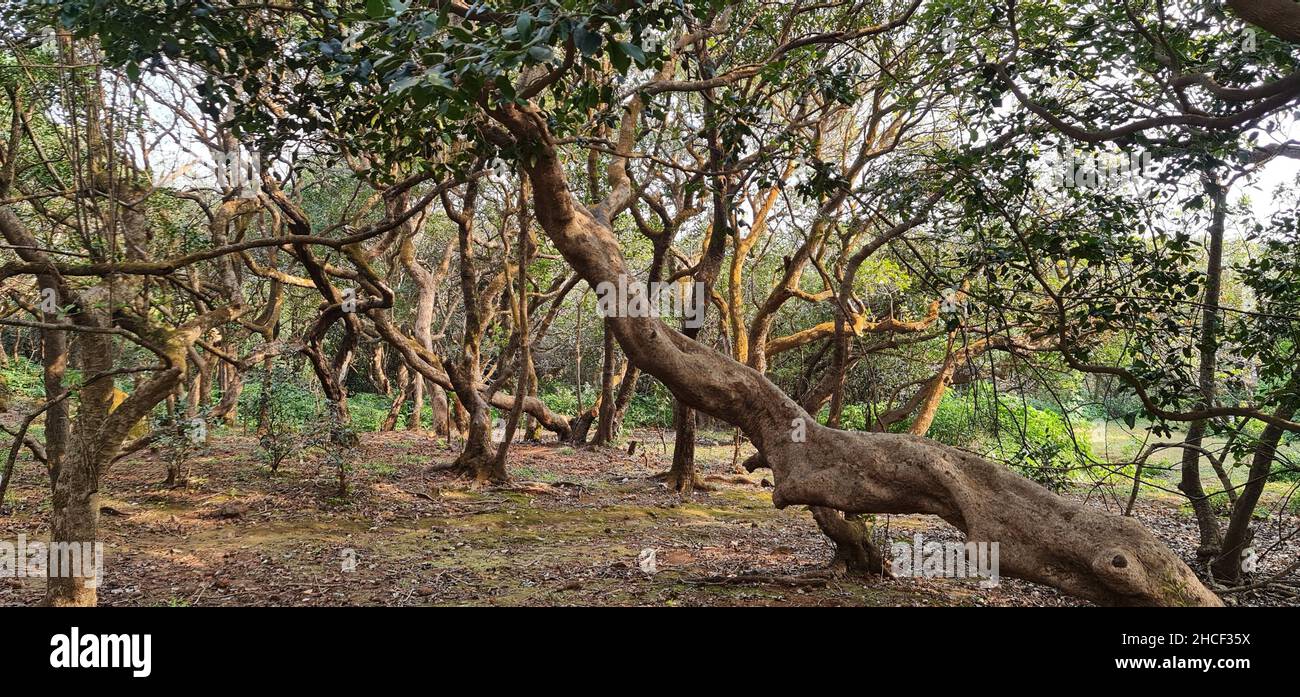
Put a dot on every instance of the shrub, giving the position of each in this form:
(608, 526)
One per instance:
(954, 421)
(278, 414)
(180, 439)
(652, 407)
(335, 441)
(368, 411)
(290, 396)
(561, 399)
(1036, 442)
(22, 376)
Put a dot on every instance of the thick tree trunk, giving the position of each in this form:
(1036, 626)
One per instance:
(855, 552)
(74, 501)
(682, 476)
(1279, 17)
(1042, 537)
(74, 520)
(477, 457)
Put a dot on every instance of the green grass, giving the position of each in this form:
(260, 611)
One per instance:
(1116, 442)
(381, 469)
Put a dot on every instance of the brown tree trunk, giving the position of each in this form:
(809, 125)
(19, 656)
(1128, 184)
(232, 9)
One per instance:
(605, 413)
(232, 386)
(405, 384)
(416, 416)
(1227, 567)
(378, 371)
(522, 329)
(74, 501)
(626, 391)
(931, 394)
(682, 476)
(1043, 538)
(477, 457)
(855, 552)
(1190, 482)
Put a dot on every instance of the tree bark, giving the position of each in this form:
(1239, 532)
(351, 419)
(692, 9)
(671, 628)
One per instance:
(1238, 536)
(1043, 538)
(608, 405)
(1278, 17)
(1208, 346)
(477, 457)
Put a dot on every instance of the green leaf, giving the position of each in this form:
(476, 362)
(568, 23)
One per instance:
(632, 51)
(587, 41)
(541, 54)
(619, 59)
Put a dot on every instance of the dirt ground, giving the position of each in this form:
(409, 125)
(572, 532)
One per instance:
(570, 531)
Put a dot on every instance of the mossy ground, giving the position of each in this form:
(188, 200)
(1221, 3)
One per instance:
(568, 531)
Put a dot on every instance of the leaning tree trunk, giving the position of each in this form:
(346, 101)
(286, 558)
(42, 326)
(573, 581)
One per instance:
(1227, 567)
(522, 328)
(1043, 537)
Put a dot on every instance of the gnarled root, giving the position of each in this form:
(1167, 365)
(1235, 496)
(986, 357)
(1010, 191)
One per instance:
(683, 482)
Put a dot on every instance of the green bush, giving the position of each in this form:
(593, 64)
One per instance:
(1036, 442)
(368, 411)
(1284, 470)
(294, 401)
(561, 399)
(650, 409)
(651, 406)
(24, 378)
(954, 421)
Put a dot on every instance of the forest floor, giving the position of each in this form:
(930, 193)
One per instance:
(569, 531)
